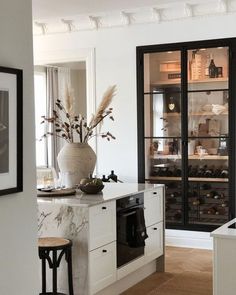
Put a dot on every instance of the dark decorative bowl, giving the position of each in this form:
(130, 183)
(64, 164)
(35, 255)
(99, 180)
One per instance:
(91, 188)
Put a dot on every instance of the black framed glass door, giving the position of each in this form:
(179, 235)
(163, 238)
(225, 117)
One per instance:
(186, 129)
(162, 127)
(208, 135)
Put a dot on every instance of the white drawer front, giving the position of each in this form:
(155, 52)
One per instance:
(102, 224)
(154, 242)
(153, 203)
(102, 267)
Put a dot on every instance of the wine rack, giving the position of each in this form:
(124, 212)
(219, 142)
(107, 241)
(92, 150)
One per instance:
(208, 203)
(186, 129)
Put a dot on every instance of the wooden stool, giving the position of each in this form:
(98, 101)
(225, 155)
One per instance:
(46, 246)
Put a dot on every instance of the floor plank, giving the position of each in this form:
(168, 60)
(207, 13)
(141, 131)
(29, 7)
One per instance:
(188, 272)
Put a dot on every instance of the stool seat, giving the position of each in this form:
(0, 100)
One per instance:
(52, 242)
(51, 250)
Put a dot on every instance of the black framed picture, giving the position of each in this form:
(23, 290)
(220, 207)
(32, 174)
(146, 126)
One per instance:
(11, 130)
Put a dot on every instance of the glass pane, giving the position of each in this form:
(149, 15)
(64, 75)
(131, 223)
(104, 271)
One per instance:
(208, 68)
(161, 69)
(208, 203)
(208, 159)
(174, 202)
(162, 113)
(163, 159)
(208, 113)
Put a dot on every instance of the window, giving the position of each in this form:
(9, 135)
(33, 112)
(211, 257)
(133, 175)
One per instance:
(40, 110)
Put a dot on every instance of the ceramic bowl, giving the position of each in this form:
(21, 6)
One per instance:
(91, 188)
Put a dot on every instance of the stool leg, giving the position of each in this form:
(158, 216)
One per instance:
(54, 272)
(70, 276)
(43, 275)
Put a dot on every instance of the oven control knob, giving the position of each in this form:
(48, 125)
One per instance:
(137, 201)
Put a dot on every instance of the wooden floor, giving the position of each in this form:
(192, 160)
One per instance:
(188, 272)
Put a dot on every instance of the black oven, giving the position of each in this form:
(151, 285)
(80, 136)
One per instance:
(131, 230)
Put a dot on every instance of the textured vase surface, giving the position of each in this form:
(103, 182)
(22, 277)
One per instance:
(76, 161)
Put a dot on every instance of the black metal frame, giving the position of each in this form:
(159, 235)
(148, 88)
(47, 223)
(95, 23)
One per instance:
(19, 129)
(183, 48)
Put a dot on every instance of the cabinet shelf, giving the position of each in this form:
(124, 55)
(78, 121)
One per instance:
(191, 179)
(178, 81)
(192, 157)
(165, 115)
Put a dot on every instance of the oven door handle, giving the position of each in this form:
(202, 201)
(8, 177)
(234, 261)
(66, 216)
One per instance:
(127, 214)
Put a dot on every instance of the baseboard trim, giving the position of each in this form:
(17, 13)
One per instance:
(130, 280)
(188, 239)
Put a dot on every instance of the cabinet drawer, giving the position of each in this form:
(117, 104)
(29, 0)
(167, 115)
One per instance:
(102, 224)
(154, 242)
(102, 267)
(153, 203)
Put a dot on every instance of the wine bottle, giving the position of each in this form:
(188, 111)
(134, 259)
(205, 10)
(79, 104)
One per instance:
(212, 195)
(171, 201)
(212, 68)
(212, 210)
(224, 173)
(169, 173)
(174, 195)
(196, 202)
(209, 172)
(223, 204)
(205, 186)
(178, 215)
(217, 173)
(220, 211)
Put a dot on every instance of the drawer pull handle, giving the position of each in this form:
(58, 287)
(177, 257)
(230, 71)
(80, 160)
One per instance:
(104, 251)
(154, 193)
(155, 228)
(104, 208)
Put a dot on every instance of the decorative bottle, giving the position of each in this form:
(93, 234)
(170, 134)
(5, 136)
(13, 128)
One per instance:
(112, 176)
(212, 68)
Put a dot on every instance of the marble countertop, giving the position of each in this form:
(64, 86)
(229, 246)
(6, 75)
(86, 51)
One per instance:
(224, 231)
(111, 191)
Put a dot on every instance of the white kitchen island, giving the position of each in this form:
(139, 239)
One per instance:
(90, 222)
(224, 264)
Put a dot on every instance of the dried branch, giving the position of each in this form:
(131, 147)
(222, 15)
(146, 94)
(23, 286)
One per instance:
(66, 123)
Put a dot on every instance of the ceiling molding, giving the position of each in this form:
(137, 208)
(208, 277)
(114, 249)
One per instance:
(158, 14)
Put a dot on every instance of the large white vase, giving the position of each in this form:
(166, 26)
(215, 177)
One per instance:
(76, 161)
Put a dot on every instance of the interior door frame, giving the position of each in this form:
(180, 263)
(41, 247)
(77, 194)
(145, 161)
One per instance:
(76, 55)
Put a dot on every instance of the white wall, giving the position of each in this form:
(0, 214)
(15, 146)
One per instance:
(18, 215)
(116, 64)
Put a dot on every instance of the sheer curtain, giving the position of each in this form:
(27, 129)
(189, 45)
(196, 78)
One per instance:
(58, 79)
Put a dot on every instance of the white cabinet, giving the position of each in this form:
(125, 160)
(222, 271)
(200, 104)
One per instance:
(102, 224)
(102, 267)
(224, 259)
(153, 203)
(154, 242)
(102, 246)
